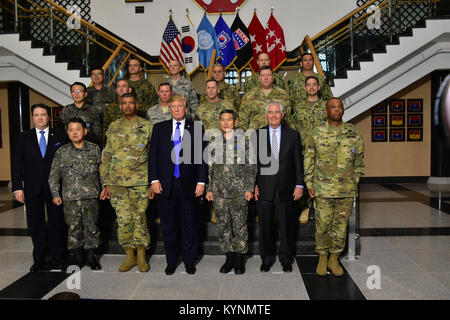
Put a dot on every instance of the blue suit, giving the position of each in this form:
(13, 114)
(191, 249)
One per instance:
(176, 203)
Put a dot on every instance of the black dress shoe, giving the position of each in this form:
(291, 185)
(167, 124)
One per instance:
(265, 267)
(287, 267)
(190, 269)
(170, 269)
(58, 264)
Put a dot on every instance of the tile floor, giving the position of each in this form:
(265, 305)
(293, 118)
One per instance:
(411, 267)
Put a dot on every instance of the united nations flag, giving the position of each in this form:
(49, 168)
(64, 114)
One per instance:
(207, 42)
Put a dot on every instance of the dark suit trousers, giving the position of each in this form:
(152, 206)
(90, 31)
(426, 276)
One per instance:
(43, 235)
(267, 232)
(177, 215)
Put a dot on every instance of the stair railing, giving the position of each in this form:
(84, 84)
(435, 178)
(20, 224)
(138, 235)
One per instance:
(114, 53)
(369, 27)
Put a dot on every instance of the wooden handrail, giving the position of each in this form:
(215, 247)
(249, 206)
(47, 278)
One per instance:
(112, 57)
(118, 69)
(342, 33)
(344, 19)
(107, 36)
(313, 52)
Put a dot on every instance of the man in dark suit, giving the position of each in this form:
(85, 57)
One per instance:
(279, 183)
(178, 175)
(32, 160)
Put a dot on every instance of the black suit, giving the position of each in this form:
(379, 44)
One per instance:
(276, 194)
(177, 202)
(29, 168)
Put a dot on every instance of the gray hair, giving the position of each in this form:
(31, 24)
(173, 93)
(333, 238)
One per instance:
(275, 102)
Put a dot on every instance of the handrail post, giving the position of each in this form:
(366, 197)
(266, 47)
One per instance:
(16, 17)
(52, 32)
(351, 255)
(390, 22)
(351, 43)
(87, 51)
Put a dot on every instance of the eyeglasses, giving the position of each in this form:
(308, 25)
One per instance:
(96, 73)
(77, 91)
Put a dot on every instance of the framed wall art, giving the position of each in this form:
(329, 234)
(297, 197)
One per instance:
(379, 135)
(415, 134)
(414, 105)
(396, 120)
(397, 106)
(397, 135)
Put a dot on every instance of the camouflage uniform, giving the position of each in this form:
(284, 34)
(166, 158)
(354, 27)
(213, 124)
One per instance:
(186, 88)
(305, 117)
(228, 93)
(229, 201)
(91, 114)
(79, 171)
(124, 169)
(253, 82)
(252, 113)
(334, 162)
(145, 93)
(297, 91)
(102, 97)
(208, 113)
(156, 114)
(113, 112)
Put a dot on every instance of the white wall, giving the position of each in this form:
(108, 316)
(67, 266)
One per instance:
(296, 17)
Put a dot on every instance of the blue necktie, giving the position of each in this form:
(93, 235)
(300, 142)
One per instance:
(42, 143)
(177, 146)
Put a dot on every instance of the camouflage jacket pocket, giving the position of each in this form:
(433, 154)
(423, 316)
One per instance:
(326, 159)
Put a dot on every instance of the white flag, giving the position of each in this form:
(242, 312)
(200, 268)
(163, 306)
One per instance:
(189, 46)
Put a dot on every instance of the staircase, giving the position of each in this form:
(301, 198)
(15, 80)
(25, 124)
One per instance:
(383, 71)
(21, 61)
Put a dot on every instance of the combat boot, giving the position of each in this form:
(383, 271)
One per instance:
(333, 265)
(130, 260)
(239, 266)
(91, 260)
(141, 260)
(228, 265)
(304, 216)
(79, 257)
(321, 269)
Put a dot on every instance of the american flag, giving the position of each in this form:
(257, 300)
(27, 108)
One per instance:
(171, 45)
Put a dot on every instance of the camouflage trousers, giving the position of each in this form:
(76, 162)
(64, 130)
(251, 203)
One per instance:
(331, 215)
(231, 220)
(130, 204)
(81, 216)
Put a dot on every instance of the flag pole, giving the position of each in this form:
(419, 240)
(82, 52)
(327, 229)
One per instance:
(211, 64)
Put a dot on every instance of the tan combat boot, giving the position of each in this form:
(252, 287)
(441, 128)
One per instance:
(130, 260)
(141, 260)
(333, 265)
(321, 269)
(304, 216)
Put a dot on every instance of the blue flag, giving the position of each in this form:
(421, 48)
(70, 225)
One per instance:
(207, 41)
(226, 43)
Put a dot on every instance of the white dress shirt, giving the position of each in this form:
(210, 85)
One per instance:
(38, 134)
